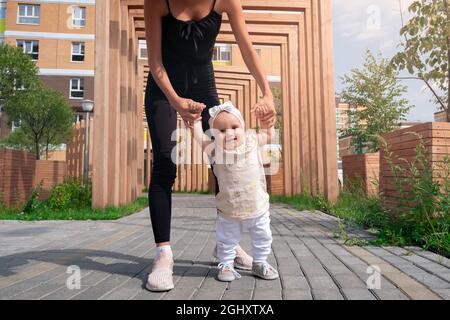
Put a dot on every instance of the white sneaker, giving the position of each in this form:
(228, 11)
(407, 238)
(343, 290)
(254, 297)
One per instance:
(265, 271)
(243, 261)
(161, 277)
(227, 272)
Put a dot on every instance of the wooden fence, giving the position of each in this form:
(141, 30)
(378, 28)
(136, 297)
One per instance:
(20, 172)
(362, 171)
(17, 170)
(402, 144)
(75, 150)
(50, 173)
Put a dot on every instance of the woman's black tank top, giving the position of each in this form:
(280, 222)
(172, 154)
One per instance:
(187, 46)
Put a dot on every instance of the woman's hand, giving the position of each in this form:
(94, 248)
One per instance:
(265, 111)
(189, 110)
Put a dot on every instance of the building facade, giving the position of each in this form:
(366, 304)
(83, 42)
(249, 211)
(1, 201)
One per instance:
(59, 35)
(2, 19)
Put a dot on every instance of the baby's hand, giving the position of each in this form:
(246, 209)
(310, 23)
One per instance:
(260, 110)
(196, 107)
(263, 113)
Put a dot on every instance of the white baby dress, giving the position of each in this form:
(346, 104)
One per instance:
(242, 183)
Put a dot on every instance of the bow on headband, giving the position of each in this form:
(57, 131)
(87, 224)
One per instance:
(227, 106)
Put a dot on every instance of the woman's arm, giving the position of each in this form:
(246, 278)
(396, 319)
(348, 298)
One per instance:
(153, 11)
(235, 13)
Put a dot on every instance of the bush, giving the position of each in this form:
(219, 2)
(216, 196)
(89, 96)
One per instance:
(422, 215)
(70, 194)
(33, 202)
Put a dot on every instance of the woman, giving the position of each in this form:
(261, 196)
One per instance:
(180, 37)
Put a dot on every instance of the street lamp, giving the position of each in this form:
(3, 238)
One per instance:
(88, 106)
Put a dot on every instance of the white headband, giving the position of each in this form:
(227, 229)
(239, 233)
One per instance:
(227, 106)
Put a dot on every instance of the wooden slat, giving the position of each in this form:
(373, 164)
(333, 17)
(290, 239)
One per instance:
(307, 82)
(404, 153)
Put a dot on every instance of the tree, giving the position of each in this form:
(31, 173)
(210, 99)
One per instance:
(426, 48)
(376, 90)
(17, 70)
(45, 119)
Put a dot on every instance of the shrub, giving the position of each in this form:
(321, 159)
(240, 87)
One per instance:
(33, 202)
(422, 214)
(70, 194)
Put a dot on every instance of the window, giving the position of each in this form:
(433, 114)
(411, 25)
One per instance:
(31, 47)
(143, 49)
(28, 14)
(77, 51)
(222, 53)
(79, 17)
(76, 88)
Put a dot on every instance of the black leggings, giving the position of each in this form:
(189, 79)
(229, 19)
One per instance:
(162, 122)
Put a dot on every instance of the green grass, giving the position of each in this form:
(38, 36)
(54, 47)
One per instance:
(44, 213)
(360, 210)
(353, 209)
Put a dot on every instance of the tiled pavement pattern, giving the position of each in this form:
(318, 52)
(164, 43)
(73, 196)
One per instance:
(115, 257)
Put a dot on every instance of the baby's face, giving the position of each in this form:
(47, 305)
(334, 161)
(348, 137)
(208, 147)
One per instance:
(228, 131)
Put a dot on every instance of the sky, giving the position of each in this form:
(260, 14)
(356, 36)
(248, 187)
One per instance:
(375, 25)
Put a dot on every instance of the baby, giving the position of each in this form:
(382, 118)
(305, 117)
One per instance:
(242, 201)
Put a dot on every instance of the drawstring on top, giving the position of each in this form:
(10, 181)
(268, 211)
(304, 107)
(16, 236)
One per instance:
(191, 28)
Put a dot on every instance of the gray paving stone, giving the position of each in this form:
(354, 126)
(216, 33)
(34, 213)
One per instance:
(358, 294)
(94, 292)
(295, 282)
(267, 294)
(214, 293)
(289, 270)
(349, 281)
(391, 294)
(444, 293)
(327, 294)
(64, 293)
(234, 294)
(180, 294)
(115, 258)
(295, 294)
(37, 292)
(147, 295)
(322, 283)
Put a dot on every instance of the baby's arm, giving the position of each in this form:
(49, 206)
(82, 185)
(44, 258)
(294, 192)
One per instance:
(199, 136)
(266, 134)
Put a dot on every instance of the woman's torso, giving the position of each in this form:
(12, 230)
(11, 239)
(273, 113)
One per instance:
(242, 183)
(187, 49)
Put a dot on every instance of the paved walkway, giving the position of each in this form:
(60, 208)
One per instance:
(114, 258)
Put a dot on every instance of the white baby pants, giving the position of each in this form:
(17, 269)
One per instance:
(228, 235)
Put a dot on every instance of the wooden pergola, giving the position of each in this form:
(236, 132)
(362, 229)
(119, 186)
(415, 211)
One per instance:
(303, 31)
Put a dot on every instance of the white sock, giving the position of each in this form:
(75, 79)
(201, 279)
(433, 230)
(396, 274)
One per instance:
(166, 249)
